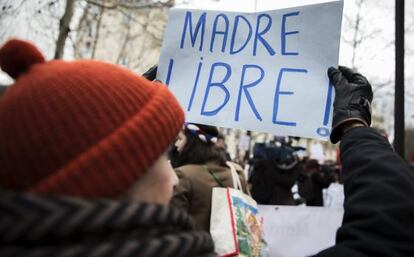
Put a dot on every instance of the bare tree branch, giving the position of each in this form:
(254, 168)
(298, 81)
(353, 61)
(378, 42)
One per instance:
(64, 28)
(379, 86)
(98, 28)
(156, 4)
(7, 8)
(126, 40)
(356, 42)
(348, 20)
(144, 25)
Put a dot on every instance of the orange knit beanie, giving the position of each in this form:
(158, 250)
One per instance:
(81, 128)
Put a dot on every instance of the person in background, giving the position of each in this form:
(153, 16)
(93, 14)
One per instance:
(222, 147)
(334, 194)
(84, 169)
(200, 167)
(319, 180)
(275, 170)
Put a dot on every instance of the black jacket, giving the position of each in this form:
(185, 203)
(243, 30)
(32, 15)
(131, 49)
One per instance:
(271, 185)
(379, 199)
(319, 181)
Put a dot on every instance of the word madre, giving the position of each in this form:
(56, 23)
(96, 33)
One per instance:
(247, 34)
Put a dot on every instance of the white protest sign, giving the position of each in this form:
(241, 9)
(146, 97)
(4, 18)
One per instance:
(294, 231)
(263, 71)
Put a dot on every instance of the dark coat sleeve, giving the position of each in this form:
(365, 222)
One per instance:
(379, 199)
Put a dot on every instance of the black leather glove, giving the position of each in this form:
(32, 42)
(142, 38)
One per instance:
(353, 97)
(151, 74)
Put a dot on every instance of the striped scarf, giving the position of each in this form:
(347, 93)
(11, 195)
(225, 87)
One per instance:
(32, 225)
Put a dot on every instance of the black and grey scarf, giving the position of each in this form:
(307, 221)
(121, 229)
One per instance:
(31, 225)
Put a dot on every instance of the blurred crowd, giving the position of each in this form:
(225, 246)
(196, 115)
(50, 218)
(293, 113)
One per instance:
(279, 174)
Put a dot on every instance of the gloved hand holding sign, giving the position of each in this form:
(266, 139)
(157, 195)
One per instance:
(353, 97)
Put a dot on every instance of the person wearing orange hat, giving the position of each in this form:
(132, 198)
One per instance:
(83, 163)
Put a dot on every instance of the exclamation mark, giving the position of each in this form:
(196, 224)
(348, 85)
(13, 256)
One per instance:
(324, 131)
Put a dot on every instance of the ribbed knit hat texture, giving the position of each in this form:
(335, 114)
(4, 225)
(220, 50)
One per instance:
(81, 128)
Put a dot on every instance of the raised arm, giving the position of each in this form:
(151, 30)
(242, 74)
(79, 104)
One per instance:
(379, 185)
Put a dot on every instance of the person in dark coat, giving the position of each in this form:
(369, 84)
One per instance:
(83, 162)
(222, 147)
(378, 184)
(319, 181)
(275, 170)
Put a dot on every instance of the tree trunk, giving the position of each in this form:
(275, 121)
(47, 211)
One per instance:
(64, 28)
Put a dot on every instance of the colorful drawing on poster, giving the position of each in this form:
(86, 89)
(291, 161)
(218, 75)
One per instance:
(249, 229)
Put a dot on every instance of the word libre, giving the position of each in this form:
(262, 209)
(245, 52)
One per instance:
(258, 71)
